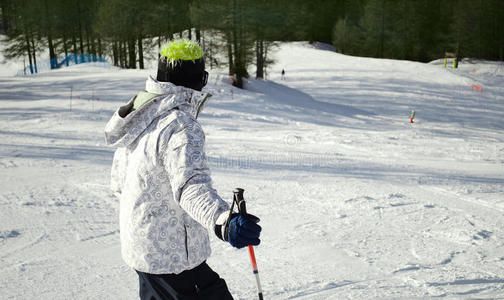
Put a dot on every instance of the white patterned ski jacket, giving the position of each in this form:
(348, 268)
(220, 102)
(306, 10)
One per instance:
(161, 176)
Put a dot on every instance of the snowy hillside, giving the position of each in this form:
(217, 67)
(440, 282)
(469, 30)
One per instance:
(355, 201)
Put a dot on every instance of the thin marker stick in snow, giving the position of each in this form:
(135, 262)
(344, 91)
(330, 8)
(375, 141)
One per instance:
(238, 198)
(71, 92)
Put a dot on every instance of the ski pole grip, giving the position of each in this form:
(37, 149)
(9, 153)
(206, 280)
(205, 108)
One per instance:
(238, 197)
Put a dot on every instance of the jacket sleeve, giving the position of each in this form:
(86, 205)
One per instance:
(182, 153)
(118, 172)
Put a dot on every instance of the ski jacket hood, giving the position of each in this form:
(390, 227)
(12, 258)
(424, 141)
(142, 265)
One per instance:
(161, 176)
(127, 124)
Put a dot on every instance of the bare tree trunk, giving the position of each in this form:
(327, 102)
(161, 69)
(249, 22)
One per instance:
(74, 43)
(125, 54)
(80, 34)
(100, 50)
(120, 54)
(382, 34)
(5, 23)
(457, 55)
(65, 48)
(81, 42)
(28, 49)
(132, 53)
(34, 54)
(198, 35)
(115, 53)
(501, 32)
(140, 53)
(89, 52)
(260, 59)
(236, 51)
(52, 55)
(124, 61)
(93, 48)
(266, 46)
(239, 47)
(480, 29)
(230, 55)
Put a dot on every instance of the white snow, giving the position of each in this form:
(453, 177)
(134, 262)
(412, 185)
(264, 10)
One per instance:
(355, 202)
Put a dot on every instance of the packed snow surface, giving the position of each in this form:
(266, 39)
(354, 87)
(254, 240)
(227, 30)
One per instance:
(355, 201)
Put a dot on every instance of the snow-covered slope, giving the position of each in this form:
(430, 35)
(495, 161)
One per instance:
(355, 201)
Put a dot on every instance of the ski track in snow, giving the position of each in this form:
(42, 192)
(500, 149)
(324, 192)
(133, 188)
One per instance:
(355, 202)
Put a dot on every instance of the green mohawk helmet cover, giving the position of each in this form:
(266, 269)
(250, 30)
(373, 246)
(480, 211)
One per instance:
(182, 63)
(181, 50)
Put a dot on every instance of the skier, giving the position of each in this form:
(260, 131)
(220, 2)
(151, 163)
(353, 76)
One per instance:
(283, 74)
(161, 176)
(412, 116)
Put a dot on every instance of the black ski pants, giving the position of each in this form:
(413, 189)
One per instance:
(200, 283)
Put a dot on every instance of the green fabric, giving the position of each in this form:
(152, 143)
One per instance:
(181, 50)
(142, 98)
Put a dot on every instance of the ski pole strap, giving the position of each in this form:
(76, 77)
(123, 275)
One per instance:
(226, 226)
(218, 228)
(238, 194)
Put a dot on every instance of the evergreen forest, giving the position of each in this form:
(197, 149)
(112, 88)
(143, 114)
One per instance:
(240, 34)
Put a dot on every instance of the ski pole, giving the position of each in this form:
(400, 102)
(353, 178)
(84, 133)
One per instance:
(238, 198)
